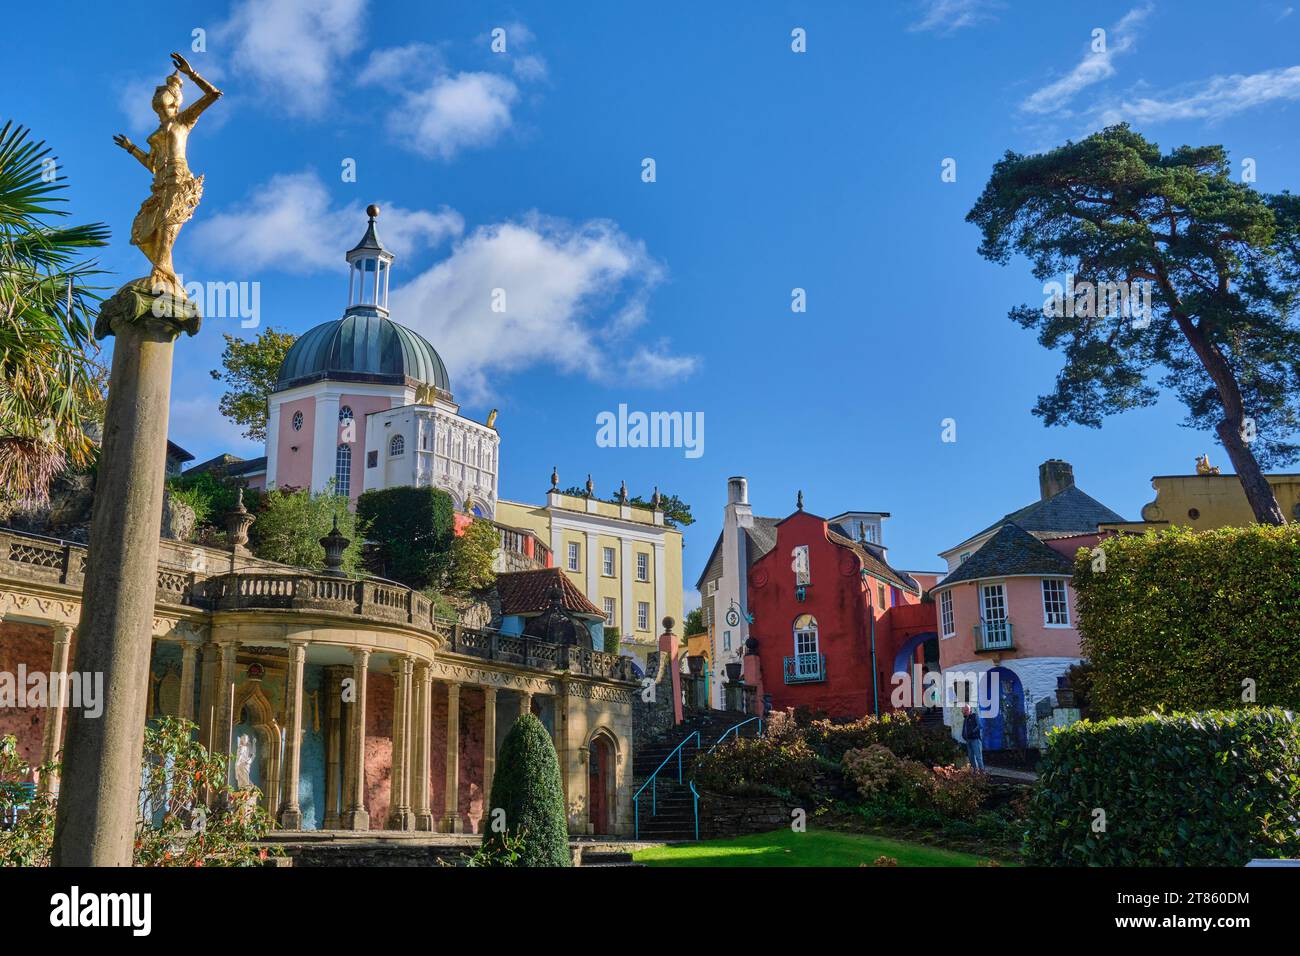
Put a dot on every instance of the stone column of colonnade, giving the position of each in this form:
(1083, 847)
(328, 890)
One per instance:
(189, 662)
(53, 742)
(421, 746)
(335, 748)
(357, 818)
(451, 817)
(290, 811)
(400, 816)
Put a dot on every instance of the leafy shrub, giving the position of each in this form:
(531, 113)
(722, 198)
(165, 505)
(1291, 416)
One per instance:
(872, 769)
(901, 732)
(174, 827)
(613, 641)
(1181, 619)
(291, 523)
(1192, 789)
(415, 529)
(211, 496)
(959, 792)
(533, 830)
(759, 765)
(473, 552)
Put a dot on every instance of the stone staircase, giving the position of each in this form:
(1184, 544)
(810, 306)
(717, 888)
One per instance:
(669, 814)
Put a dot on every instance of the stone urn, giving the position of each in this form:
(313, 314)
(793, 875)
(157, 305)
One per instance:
(734, 669)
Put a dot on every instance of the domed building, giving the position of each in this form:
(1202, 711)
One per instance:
(366, 403)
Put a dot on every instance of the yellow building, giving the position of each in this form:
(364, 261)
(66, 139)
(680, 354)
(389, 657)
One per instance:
(1207, 500)
(623, 557)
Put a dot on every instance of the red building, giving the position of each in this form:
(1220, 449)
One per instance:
(833, 621)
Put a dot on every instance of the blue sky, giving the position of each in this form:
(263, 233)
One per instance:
(774, 170)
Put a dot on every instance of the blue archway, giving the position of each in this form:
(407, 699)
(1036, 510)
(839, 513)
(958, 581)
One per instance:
(1007, 728)
(907, 652)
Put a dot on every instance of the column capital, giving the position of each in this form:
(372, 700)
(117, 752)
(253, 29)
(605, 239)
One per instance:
(63, 633)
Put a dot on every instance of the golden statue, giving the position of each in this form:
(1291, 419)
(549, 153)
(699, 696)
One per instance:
(1203, 466)
(176, 190)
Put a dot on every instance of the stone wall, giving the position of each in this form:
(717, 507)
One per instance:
(651, 720)
(723, 816)
(31, 646)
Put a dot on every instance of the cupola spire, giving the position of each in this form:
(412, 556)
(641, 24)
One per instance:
(369, 264)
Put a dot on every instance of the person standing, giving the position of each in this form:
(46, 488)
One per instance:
(970, 732)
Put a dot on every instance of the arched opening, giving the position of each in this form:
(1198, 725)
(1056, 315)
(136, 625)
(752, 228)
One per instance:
(602, 770)
(1006, 728)
(905, 662)
(255, 745)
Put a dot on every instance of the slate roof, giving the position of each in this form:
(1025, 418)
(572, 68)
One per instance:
(759, 540)
(1069, 511)
(1013, 550)
(873, 564)
(526, 592)
(362, 347)
(228, 465)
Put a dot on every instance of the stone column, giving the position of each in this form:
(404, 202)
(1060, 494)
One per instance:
(451, 819)
(422, 748)
(357, 818)
(489, 745)
(95, 822)
(224, 693)
(208, 696)
(189, 658)
(62, 640)
(399, 780)
(290, 811)
(333, 747)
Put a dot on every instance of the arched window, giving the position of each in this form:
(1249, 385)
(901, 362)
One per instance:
(396, 446)
(297, 421)
(343, 470)
(345, 413)
(807, 663)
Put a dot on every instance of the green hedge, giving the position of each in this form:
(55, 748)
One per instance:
(527, 787)
(1208, 789)
(415, 528)
(1181, 619)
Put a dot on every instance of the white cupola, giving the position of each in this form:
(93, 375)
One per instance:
(369, 264)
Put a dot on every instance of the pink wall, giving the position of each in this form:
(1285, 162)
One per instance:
(293, 468)
(1032, 638)
(362, 405)
(31, 645)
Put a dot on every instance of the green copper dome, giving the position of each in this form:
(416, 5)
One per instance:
(363, 347)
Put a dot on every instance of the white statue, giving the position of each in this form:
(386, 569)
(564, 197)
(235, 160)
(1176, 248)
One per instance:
(244, 762)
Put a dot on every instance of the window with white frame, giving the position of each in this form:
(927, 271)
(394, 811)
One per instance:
(343, 470)
(397, 446)
(611, 606)
(1056, 606)
(949, 628)
(574, 555)
(993, 600)
(726, 640)
(607, 562)
(807, 662)
(961, 559)
(642, 566)
(643, 615)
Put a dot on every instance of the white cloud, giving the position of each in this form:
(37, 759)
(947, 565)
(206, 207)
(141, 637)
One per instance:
(569, 290)
(294, 47)
(949, 16)
(1093, 68)
(1212, 99)
(454, 113)
(288, 224)
(575, 293)
(442, 111)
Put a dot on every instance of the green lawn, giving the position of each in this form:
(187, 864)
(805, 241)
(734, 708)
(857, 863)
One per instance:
(813, 848)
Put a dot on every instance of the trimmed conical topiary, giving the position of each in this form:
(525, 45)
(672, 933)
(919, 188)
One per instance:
(527, 788)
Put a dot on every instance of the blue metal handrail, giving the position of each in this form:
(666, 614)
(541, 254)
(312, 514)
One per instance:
(652, 782)
(735, 729)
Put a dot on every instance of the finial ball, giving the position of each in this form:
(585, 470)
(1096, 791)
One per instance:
(372, 211)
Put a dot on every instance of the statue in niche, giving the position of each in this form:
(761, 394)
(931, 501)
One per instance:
(244, 762)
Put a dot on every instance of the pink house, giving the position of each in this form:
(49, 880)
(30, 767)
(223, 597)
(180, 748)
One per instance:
(1007, 617)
